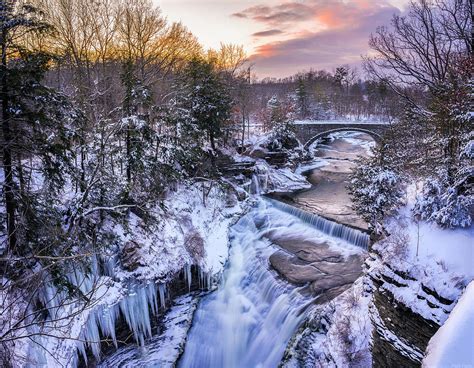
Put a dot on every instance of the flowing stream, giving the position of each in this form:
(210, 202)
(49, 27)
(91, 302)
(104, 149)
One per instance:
(249, 320)
(282, 261)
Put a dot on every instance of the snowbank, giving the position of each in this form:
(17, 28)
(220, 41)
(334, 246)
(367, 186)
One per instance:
(453, 249)
(453, 344)
(269, 179)
(342, 122)
(191, 228)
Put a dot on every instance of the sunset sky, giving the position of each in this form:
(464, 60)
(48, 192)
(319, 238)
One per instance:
(284, 37)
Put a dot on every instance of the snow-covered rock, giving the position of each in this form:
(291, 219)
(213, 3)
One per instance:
(337, 334)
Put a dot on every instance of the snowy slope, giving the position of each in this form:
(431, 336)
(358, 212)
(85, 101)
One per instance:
(429, 244)
(453, 344)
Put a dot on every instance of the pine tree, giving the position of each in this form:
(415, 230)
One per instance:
(302, 99)
(204, 94)
(376, 190)
(31, 113)
(280, 117)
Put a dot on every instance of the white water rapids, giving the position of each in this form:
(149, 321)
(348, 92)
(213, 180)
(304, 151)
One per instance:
(248, 321)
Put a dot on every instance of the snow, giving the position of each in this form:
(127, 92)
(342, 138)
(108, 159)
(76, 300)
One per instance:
(453, 343)
(163, 349)
(343, 333)
(308, 166)
(192, 230)
(351, 312)
(342, 122)
(163, 248)
(454, 248)
(437, 263)
(279, 180)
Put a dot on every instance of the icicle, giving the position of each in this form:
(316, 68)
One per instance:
(135, 310)
(106, 317)
(187, 275)
(109, 264)
(91, 334)
(162, 291)
(202, 281)
(332, 228)
(152, 297)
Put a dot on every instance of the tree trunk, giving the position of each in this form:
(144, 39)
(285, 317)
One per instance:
(129, 157)
(9, 184)
(211, 138)
(243, 129)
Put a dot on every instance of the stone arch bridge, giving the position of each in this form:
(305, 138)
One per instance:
(308, 132)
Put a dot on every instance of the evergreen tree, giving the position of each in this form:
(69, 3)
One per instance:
(204, 95)
(135, 123)
(36, 122)
(302, 99)
(376, 190)
(280, 117)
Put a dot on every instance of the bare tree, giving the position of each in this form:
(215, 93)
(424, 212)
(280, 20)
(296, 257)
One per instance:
(420, 48)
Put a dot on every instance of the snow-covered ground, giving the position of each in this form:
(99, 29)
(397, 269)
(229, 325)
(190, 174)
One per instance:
(191, 228)
(429, 269)
(138, 263)
(438, 259)
(453, 344)
(342, 122)
(163, 349)
(429, 244)
(338, 333)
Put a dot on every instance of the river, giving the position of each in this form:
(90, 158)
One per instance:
(282, 262)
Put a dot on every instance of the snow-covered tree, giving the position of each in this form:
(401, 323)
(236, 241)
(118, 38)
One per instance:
(37, 122)
(203, 93)
(376, 190)
(454, 172)
(280, 116)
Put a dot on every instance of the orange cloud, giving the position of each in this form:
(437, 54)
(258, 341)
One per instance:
(339, 34)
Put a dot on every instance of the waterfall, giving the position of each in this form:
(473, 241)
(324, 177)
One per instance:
(249, 319)
(332, 228)
(255, 185)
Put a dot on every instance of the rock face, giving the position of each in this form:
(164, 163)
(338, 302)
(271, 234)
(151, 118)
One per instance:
(400, 336)
(405, 314)
(326, 271)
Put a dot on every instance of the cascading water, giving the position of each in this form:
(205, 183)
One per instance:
(249, 320)
(329, 227)
(255, 184)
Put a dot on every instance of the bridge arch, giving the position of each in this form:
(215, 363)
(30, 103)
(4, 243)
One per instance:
(377, 137)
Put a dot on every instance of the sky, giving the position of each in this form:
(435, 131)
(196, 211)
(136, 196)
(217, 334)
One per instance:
(283, 37)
